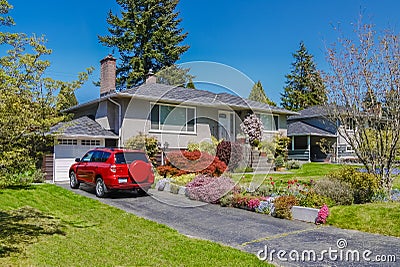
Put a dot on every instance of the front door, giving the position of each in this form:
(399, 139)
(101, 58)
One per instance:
(226, 125)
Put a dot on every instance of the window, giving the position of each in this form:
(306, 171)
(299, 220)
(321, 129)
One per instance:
(350, 124)
(270, 122)
(67, 142)
(129, 157)
(90, 142)
(100, 156)
(172, 118)
(87, 157)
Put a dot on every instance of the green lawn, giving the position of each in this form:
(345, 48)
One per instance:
(61, 228)
(307, 172)
(380, 218)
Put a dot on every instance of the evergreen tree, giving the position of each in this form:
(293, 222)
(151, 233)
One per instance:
(190, 84)
(66, 99)
(258, 94)
(147, 36)
(304, 85)
(370, 100)
(174, 75)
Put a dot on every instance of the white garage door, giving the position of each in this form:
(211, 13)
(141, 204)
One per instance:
(64, 157)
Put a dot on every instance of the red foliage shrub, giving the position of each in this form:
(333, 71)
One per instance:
(230, 153)
(183, 162)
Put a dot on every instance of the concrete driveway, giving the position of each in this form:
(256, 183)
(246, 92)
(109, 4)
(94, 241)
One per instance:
(283, 242)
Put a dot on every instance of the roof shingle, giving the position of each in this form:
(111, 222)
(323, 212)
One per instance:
(82, 127)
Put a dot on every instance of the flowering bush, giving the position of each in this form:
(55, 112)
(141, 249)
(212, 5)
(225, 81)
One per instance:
(184, 162)
(209, 189)
(323, 214)
(253, 128)
(266, 206)
(395, 195)
(253, 203)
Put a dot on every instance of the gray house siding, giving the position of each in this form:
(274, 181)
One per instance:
(137, 120)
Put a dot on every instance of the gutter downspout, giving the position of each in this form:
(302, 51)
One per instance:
(119, 121)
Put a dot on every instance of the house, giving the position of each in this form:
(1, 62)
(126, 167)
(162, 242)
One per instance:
(311, 128)
(174, 115)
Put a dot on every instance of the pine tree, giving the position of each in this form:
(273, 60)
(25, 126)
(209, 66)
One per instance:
(147, 36)
(174, 75)
(258, 94)
(66, 99)
(190, 84)
(304, 85)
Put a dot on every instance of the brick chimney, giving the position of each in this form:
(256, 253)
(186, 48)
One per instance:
(151, 78)
(107, 75)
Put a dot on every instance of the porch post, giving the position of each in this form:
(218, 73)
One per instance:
(309, 147)
(292, 142)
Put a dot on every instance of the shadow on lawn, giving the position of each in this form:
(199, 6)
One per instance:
(23, 226)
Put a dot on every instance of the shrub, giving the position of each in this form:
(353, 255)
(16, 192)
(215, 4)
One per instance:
(246, 201)
(283, 205)
(340, 192)
(169, 171)
(209, 189)
(227, 200)
(364, 185)
(293, 165)
(253, 203)
(266, 206)
(230, 153)
(184, 162)
(146, 143)
(204, 146)
(314, 200)
(279, 161)
(323, 214)
(253, 128)
(184, 179)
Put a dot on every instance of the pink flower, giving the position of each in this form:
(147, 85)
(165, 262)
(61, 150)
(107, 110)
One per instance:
(323, 214)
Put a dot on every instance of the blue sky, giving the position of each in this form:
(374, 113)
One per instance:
(256, 37)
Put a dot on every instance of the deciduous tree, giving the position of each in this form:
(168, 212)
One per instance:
(364, 95)
(27, 98)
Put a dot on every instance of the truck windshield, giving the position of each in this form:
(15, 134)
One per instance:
(129, 157)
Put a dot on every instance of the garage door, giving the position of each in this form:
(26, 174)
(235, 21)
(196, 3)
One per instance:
(64, 157)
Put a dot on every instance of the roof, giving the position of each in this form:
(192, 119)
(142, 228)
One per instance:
(311, 112)
(174, 94)
(82, 127)
(300, 128)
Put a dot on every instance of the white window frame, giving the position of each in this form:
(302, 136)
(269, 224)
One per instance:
(67, 142)
(90, 142)
(259, 114)
(160, 130)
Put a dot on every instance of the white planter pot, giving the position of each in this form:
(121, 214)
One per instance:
(304, 214)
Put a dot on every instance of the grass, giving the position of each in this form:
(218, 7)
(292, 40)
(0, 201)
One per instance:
(46, 225)
(379, 218)
(309, 171)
